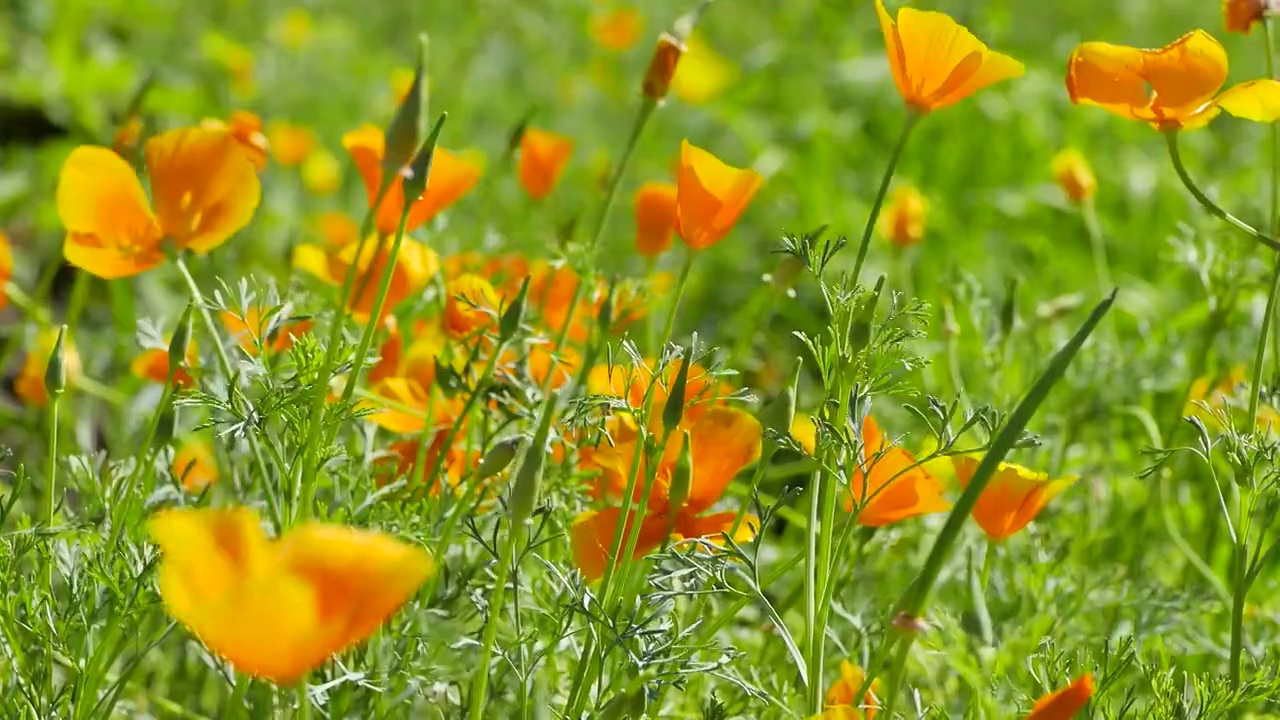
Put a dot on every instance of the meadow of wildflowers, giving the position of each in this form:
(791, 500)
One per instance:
(606, 359)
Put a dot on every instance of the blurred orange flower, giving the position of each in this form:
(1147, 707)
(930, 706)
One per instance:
(702, 392)
(290, 144)
(655, 217)
(246, 128)
(454, 466)
(721, 443)
(471, 305)
(203, 187)
(1242, 15)
(6, 267)
(257, 328)
(1065, 703)
(543, 156)
(903, 219)
(842, 691)
(937, 62)
(414, 267)
(153, 364)
(194, 466)
(28, 386)
(710, 196)
(1074, 175)
(1172, 88)
(616, 28)
(277, 609)
(1013, 497)
(450, 179)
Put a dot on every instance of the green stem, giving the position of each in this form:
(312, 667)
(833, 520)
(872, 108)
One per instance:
(669, 326)
(912, 118)
(480, 682)
(1171, 137)
(1240, 590)
(1089, 212)
(231, 709)
(811, 590)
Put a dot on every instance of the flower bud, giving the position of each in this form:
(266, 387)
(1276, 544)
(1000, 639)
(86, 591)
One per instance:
(673, 412)
(509, 323)
(55, 374)
(407, 126)
(498, 458)
(860, 328)
(662, 67)
(1074, 175)
(419, 170)
(180, 342)
(780, 414)
(604, 317)
(165, 426)
(527, 485)
(681, 474)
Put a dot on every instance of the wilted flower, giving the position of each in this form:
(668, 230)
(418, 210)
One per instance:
(290, 144)
(937, 62)
(662, 66)
(1012, 498)
(1065, 703)
(450, 179)
(1241, 15)
(710, 196)
(655, 217)
(1172, 88)
(194, 466)
(903, 219)
(277, 609)
(616, 28)
(203, 189)
(1074, 175)
(721, 443)
(702, 73)
(246, 128)
(543, 156)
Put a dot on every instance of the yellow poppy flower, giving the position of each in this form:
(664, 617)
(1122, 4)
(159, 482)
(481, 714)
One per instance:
(903, 219)
(1074, 175)
(701, 73)
(841, 695)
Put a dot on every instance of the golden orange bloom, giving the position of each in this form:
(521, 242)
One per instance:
(28, 386)
(936, 61)
(257, 328)
(543, 156)
(655, 217)
(203, 189)
(702, 392)
(450, 179)
(471, 305)
(246, 128)
(321, 173)
(721, 443)
(405, 378)
(902, 221)
(277, 609)
(662, 66)
(414, 267)
(1172, 88)
(616, 28)
(454, 465)
(710, 196)
(1074, 175)
(1013, 497)
(701, 73)
(194, 466)
(1242, 15)
(842, 691)
(6, 267)
(1065, 703)
(153, 364)
(290, 144)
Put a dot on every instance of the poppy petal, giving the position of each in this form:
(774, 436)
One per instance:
(111, 231)
(722, 443)
(203, 185)
(1257, 100)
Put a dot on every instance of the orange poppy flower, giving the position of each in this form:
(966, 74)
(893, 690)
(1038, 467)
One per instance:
(1242, 15)
(655, 217)
(1012, 498)
(321, 173)
(543, 156)
(616, 28)
(451, 178)
(290, 144)
(277, 609)
(194, 466)
(710, 196)
(246, 128)
(28, 386)
(153, 364)
(842, 691)
(902, 222)
(722, 443)
(471, 305)
(405, 377)
(702, 392)
(6, 267)
(203, 188)
(539, 361)
(1172, 88)
(936, 61)
(454, 466)
(1074, 175)
(258, 329)
(414, 267)
(1065, 703)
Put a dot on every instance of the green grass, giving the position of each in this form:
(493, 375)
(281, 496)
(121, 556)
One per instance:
(1128, 575)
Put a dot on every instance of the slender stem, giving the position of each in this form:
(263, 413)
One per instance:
(1089, 213)
(231, 709)
(647, 106)
(55, 404)
(670, 323)
(379, 305)
(912, 118)
(480, 682)
(811, 588)
(1171, 137)
(1240, 590)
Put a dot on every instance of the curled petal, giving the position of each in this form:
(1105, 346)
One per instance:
(203, 185)
(111, 231)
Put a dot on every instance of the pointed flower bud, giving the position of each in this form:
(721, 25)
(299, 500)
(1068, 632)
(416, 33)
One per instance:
(509, 323)
(604, 316)
(662, 67)
(681, 474)
(498, 458)
(180, 342)
(55, 374)
(673, 412)
(860, 328)
(780, 414)
(527, 485)
(419, 171)
(406, 127)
